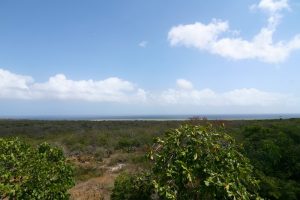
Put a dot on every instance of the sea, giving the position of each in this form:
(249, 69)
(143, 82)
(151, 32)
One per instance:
(156, 117)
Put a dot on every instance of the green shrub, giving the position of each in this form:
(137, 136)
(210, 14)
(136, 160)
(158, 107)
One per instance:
(197, 162)
(132, 187)
(274, 153)
(33, 173)
(128, 144)
(192, 162)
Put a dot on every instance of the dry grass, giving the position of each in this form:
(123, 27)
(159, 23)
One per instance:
(95, 188)
(95, 180)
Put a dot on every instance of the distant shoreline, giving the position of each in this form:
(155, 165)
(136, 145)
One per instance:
(157, 117)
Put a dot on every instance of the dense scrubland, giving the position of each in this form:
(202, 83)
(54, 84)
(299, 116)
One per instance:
(101, 152)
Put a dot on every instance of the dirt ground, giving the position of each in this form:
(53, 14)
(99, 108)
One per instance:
(95, 188)
(100, 187)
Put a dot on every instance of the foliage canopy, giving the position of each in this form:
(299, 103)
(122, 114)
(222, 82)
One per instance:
(199, 162)
(274, 152)
(33, 173)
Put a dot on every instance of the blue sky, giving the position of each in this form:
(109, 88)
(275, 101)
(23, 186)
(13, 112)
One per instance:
(69, 57)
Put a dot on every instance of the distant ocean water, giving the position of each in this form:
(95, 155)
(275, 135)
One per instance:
(158, 117)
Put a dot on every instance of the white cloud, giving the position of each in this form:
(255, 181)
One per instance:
(210, 37)
(188, 97)
(184, 84)
(143, 44)
(107, 90)
(59, 87)
(237, 97)
(197, 35)
(272, 5)
(14, 86)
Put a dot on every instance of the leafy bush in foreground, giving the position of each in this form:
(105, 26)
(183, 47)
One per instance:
(33, 173)
(195, 162)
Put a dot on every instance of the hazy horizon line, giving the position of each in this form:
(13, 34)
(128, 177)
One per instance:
(94, 117)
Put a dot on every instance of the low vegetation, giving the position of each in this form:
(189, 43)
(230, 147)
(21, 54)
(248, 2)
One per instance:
(266, 150)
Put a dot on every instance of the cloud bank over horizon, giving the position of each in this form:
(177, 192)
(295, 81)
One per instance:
(210, 37)
(59, 87)
(116, 90)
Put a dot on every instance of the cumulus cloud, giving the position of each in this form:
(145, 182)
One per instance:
(113, 89)
(189, 97)
(237, 97)
(272, 6)
(184, 84)
(211, 37)
(14, 86)
(197, 35)
(108, 90)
